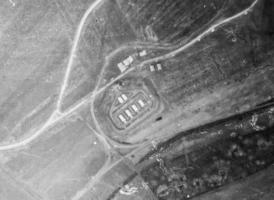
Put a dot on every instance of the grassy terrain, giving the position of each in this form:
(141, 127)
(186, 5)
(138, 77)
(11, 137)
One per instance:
(34, 47)
(58, 165)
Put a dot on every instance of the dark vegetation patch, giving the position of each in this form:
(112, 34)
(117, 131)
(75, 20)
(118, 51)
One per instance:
(210, 167)
(159, 118)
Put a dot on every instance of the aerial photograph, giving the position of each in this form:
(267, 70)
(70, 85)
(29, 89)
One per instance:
(137, 99)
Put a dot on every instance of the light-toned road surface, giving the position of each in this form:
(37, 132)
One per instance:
(205, 33)
(58, 116)
(74, 50)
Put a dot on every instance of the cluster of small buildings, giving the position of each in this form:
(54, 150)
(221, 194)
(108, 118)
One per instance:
(143, 53)
(123, 98)
(155, 67)
(132, 110)
(123, 66)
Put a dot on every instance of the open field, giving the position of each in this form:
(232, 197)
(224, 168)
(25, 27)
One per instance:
(72, 12)
(15, 190)
(58, 165)
(34, 48)
(105, 187)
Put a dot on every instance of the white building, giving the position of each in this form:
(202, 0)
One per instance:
(124, 97)
(121, 117)
(151, 67)
(143, 53)
(121, 67)
(159, 67)
(121, 100)
(129, 114)
(124, 65)
(134, 107)
(140, 101)
(128, 61)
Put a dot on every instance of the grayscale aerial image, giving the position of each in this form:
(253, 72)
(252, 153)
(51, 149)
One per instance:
(137, 99)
